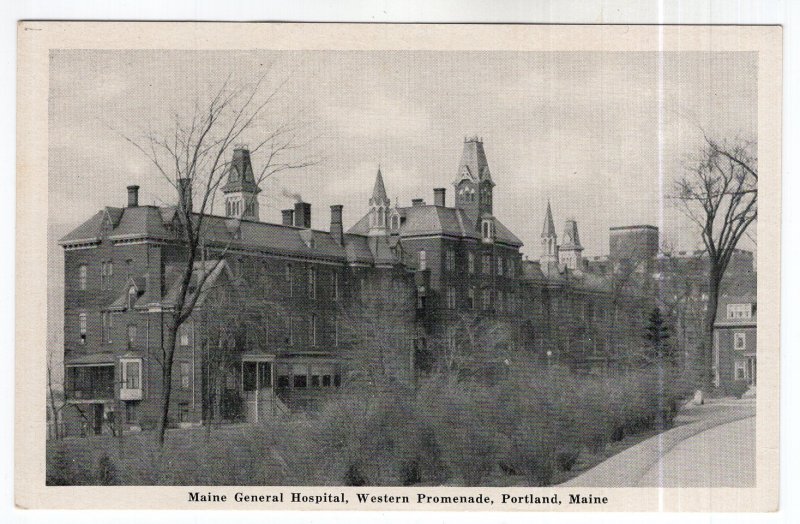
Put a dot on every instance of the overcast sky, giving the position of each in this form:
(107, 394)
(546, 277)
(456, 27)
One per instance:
(581, 129)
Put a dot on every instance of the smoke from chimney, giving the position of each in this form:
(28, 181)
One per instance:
(288, 194)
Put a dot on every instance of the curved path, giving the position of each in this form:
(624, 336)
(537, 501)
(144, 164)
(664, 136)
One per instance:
(714, 447)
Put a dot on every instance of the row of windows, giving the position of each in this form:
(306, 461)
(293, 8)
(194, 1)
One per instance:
(740, 311)
(259, 375)
(502, 265)
(501, 300)
(106, 274)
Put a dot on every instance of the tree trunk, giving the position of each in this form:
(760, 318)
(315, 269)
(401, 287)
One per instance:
(706, 378)
(166, 391)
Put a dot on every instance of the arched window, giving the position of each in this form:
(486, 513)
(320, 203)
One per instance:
(381, 217)
(395, 222)
(131, 296)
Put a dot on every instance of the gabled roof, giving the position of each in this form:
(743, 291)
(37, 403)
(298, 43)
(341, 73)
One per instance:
(436, 220)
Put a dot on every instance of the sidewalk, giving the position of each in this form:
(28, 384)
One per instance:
(713, 445)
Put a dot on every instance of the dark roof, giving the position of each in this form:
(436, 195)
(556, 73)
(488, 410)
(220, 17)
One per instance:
(473, 163)
(379, 190)
(437, 220)
(155, 222)
(240, 173)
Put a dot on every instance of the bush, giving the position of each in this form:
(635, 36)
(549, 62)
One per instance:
(735, 389)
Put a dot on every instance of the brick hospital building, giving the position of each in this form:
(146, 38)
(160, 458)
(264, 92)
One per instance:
(407, 290)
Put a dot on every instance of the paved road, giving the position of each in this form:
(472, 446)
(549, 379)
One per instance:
(713, 446)
(723, 456)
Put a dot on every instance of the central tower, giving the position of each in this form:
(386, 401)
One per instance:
(473, 183)
(241, 190)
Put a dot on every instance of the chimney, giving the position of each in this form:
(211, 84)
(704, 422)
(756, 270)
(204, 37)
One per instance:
(337, 231)
(438, 196)
(302, 215)
(288, 217)
(133, 196)
(185, 193)
(417, 202)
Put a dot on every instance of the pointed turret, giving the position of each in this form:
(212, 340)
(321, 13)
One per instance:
(241, 190)
(379, 191)
(549, 228)
(569, 252)
(549, 254)
(378, 207)
(474, 182)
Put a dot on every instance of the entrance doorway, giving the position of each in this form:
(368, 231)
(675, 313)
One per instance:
(257, 389)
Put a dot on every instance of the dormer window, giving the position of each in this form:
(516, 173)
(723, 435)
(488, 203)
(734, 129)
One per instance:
(131, 296)
(488, 229)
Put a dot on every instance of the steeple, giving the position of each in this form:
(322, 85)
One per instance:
(549, 229)
(569, 252)
(378, 207)
(473, 182)
(241, 190)
(379, 191)
(549, 254)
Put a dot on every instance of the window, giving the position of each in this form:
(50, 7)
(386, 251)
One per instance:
(290, 338)
(131, 374)
(488, 229)
(106, 272)
(501, 262)
(108, 322)
(336, 330)
(739, 311)
(283, 372)
(300, 375)
(130, 412)
(131, 335)
(421, 297)
(423, 260)
(336, 286)
(289, 276)
(450, 260)
(183, 335)
(131, 297)
(312, 327)
(451, 298)
(395, 222)
(186, 375)
(739, 341)
(487, 264)
(312, 283)
(471, 262)
(740, 370)
(82, 327)
(487, 299)
(471, 298)
(82, 277)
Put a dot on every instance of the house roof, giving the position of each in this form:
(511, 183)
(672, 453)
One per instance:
(437, 220)
(473, 164)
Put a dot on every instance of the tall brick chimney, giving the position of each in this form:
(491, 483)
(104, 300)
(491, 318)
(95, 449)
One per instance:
(438, 196)
(288, 217)
(133, 196)
(337, 231)
(302, 215)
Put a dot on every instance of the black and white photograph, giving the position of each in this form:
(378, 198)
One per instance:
(355, 269)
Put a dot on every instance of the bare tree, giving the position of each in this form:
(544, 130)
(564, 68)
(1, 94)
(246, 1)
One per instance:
(719, 193)
(194, 158)
(56, 398)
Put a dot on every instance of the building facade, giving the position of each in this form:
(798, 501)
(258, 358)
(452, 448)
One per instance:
(289, 313)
